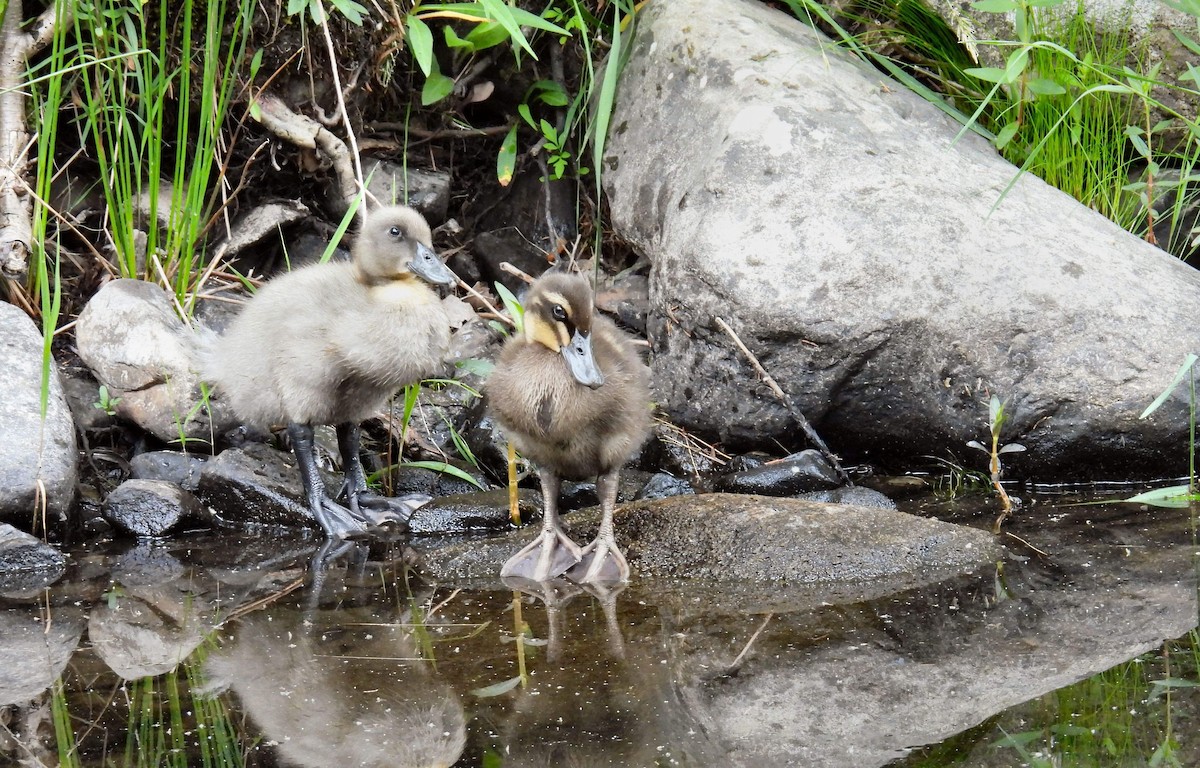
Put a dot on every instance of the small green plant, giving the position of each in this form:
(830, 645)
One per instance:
(106, 402)
(996, 419)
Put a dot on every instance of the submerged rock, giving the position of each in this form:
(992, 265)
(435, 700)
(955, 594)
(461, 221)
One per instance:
(34, 653)
(884, 272)
(728, 537)
(37, 456)
(482, 511)
(27, 562)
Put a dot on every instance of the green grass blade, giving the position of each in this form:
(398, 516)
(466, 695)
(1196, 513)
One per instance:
(1188, 362)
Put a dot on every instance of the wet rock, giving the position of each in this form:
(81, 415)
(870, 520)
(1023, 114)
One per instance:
(729, 537)
(663, 484)
(577, 494)
(745, 461)
(891, 350)
(34, 653)
(148, 630)
(135, 344)
(489, 446)
(854, 495)
(256, 486)
(151, 507)
(35, 455)
(482, 511)
(147, 563)
(805, 471)
(83, 396)
(405, 480)
(427, 191)
(27, 562)
(182, 469)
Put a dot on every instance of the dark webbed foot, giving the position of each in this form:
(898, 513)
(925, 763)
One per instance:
(601, 562)
(379, 511)
(549, 555)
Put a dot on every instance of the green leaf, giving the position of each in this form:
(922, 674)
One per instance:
(296, 6)
(990, 74)
(486, 35)
(523, 111)
(995, 6)
(445, 469)
(437, 87)
(1187, 42)
(454, 41)
(551, 93)
(353, 12)
(506, 160)
(1006, 135)
(1045, 87)
(497, 689)
(1173, 497)
(515, 310)
(1188, 362)
(1016, 64)
(420, 42)
(476, 366)
(1135, 138)
(256, 63)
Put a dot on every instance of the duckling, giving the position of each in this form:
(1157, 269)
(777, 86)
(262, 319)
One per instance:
(573, 396)
(330, 343)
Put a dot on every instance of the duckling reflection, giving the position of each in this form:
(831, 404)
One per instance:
(339, 694)
(573, 396)
(626, 707)
(330, 343)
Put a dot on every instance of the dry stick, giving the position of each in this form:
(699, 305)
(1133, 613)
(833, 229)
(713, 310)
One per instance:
(787, 402)
(737, 662)
(508, 267)
(341, 104)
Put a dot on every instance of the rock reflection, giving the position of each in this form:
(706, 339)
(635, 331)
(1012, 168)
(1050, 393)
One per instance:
(340, 688)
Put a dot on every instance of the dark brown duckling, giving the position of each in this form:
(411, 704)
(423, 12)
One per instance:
(330, 343)
(573, 396)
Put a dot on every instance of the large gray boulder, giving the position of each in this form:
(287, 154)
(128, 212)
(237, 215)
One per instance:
(36, 455)
(132, 339)
(876, 266)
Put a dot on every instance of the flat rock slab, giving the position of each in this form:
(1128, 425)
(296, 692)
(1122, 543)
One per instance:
(880, 268)
(730, 537)
(35, 454)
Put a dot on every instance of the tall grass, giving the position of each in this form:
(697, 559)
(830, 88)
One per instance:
(157, 153)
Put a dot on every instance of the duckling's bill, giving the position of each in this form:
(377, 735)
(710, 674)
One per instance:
(581, 362)
(427, 266)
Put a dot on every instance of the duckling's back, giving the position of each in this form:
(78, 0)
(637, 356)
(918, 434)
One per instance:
(317, 346)
(576, 431)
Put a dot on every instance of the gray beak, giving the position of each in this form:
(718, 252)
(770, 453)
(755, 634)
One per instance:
(427, 266)
(580, 362)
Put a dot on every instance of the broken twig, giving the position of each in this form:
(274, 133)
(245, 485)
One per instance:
(782, 396)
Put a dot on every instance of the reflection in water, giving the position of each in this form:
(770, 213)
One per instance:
(340, 689)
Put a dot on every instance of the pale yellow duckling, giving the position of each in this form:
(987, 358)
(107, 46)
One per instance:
(573, 396)
(330, 343)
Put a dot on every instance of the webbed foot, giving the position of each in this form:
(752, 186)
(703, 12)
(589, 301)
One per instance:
(379, 511)
(549, 555)
(600, 562)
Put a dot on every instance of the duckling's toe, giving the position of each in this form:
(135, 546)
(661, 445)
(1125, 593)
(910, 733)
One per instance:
(551, 554)
(337, 521)
(602, 562)
(380, 511)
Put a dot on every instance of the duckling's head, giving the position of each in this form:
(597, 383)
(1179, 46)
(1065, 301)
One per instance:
(395, 242)
(558, 315)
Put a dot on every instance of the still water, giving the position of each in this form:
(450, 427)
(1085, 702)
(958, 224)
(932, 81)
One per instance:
(1077, 649)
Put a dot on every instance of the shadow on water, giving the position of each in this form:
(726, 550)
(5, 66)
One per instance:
(216, 651)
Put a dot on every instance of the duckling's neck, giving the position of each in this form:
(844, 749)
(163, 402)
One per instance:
(401, 290)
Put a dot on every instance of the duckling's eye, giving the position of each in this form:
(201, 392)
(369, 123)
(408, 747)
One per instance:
(558, 312)
(395, 232)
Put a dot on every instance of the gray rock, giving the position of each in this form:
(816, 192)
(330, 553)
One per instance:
(799, 473)
(854, 495)
(182, 469)
(150, 507)
(427, 191)
(508, 245)
(663, 484)
(256, 486)
(134, 342)
(27, 562)
(33, 653)
(406, 480)
(473, 512)
(834, 222)
(36, 455)
(754, 538)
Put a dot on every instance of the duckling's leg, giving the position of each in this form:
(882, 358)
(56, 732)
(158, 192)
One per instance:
(602, 562)
(552, 552)
(370, 508)
(335, 520)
